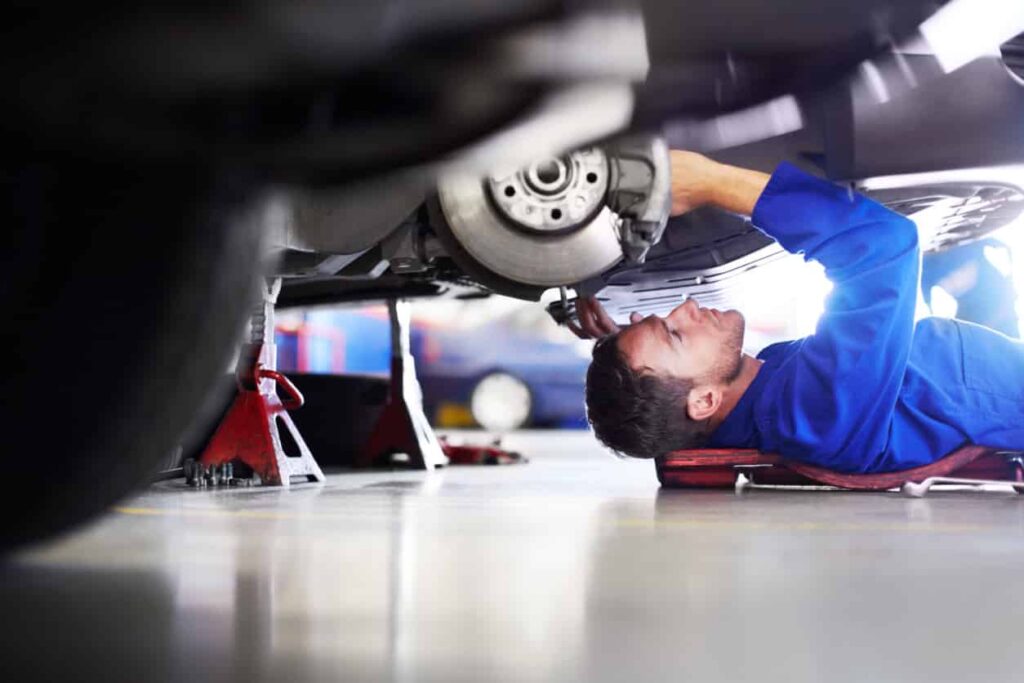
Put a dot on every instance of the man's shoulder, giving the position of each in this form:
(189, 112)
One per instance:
(932, 330)
(779, 350)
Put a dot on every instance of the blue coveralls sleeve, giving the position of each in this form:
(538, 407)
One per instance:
(831, 402)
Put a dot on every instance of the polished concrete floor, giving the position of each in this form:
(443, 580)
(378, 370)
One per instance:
(574, 567)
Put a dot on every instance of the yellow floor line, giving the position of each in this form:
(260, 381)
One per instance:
(208, 512)
(682, 524)
(806, 526)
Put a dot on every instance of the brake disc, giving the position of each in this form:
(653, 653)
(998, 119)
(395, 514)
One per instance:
(547, 224)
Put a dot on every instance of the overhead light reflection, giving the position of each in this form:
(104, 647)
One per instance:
(962, 31)
(761, 122)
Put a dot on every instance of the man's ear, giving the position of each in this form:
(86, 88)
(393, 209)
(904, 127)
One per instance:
(703, 402)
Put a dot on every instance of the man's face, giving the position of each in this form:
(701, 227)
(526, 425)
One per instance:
(694, 343)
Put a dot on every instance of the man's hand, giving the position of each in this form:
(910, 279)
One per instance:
(696, 181)
(594, 320)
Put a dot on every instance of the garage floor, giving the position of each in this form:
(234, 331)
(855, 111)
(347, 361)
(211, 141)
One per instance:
(574, 567)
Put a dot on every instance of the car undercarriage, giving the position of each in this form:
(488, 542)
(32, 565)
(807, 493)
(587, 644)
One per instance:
(512, 233)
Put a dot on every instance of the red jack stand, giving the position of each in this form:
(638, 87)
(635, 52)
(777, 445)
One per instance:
(402, 427)
(250, 430)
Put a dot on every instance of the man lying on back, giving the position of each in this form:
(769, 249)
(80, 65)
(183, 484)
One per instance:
(869, 391)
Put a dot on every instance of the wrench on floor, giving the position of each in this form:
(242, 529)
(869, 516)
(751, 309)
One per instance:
(919, 490)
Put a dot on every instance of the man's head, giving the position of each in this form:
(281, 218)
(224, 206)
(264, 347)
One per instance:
(655, 386)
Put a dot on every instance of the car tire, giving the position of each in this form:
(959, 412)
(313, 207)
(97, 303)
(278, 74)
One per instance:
(129, 285)
(501, 402)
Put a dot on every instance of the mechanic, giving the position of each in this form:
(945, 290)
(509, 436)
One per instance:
(869, 391)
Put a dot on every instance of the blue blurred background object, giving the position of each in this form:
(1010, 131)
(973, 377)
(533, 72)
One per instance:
(334, 340)
(978, 278)
(501, 367)
(516, 370)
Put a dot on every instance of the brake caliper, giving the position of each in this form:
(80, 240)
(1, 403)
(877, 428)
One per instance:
(640, 192)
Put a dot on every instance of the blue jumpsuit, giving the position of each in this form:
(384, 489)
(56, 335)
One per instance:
(870, 391)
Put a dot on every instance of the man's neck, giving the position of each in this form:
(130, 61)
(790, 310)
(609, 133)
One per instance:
(732, 393)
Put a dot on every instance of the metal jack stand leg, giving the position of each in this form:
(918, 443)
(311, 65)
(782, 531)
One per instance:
(403, 427)
(251, 430)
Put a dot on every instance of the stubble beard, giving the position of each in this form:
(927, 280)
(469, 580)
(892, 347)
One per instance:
(730, 367)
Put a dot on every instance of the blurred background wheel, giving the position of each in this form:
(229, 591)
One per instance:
(501, 402)
(127, 288)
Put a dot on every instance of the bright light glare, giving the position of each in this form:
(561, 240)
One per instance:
(1000, 260)
(782, 301)
(943, 303)
(1013, 237)
(760, 122)
(964, 30)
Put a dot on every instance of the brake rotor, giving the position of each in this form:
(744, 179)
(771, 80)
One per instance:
(546, 224)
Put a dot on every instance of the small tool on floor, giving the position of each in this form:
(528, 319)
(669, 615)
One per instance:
(913, 489)
(201, 476)
(493, 454)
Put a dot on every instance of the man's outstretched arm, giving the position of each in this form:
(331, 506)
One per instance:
(831, 403)
(697, 181)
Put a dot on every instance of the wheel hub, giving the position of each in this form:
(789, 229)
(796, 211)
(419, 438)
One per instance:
(560, 220)
(553, 195)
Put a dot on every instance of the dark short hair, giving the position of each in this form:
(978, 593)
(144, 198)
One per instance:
(642, 415)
